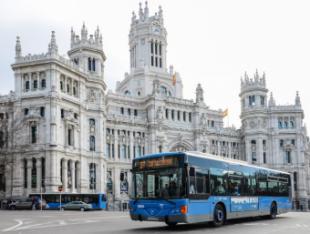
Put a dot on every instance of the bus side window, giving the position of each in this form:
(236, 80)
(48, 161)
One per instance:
(192, 186)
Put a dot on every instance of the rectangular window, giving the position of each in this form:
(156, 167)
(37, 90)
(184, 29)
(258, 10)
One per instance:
(35, 84)
(62, 113)
(42, 111)
(113, 151)
(262, 100)
(190, 117)
(27, 85)
(26, 111)
(70, 137)
(43, 84)
(122, 110)
(172, 114)
(179, 115)
(108, 150)
(129, 111)
(264, 158)
(253, 157)
(288, 156)
(33, 134)
(184, 116)
(136, 112)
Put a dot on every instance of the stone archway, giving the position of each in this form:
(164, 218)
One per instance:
(180, 147)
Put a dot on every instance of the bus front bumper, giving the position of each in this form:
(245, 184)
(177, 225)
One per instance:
(170, 218)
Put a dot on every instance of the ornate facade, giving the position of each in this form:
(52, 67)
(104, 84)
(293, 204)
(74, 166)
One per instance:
(61, 127)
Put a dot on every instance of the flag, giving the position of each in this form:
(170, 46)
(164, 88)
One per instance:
(225, 112)
(174, 79)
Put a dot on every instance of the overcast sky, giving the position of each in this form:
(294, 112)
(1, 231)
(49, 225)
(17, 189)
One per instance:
(209, 42)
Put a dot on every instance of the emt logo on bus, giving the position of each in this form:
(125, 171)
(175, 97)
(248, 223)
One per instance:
(244, 200)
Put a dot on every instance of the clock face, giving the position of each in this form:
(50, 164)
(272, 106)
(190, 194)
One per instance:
(156, 29)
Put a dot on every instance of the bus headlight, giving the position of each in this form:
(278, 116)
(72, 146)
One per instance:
(183, 209)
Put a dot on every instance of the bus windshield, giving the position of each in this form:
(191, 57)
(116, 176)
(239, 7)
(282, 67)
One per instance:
(164, 183)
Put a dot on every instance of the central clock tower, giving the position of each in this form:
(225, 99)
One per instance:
(147, 41)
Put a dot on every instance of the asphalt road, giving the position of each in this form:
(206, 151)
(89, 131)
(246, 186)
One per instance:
(119, 222)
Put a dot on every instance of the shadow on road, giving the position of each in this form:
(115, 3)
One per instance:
(199, 226)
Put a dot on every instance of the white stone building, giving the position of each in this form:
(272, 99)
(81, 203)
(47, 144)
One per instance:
(61, 127)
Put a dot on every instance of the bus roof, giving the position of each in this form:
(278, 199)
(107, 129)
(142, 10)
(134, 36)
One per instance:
(158, 155)
(208, 156)
(229, 160)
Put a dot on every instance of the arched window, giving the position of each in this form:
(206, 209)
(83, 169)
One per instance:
(127, 93)
(92, 143)
(94, 64)
(89, 64)
(163, 90)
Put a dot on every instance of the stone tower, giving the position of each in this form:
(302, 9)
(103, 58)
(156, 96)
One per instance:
(87, 52)
(147, 40)
(254, 117)
(148, 54)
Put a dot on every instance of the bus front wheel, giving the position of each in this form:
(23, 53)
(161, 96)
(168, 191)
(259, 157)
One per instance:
(219, 215)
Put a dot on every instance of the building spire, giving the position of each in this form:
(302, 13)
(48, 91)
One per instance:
(271, 100)
(146, 10)
(84, 32)
(141, 16)
(18, 48)
(52, 46)
(72, 36)
(297, 99)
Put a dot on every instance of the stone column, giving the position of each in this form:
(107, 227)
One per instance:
(72, 165)
(39, 174)
(116, 147)
(116, 183)
(78, 176)
(29, 168)
(131, 142)
(64, 175)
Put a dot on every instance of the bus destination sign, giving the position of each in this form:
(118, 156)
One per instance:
(154, 163)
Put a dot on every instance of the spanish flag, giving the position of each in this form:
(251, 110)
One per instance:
(225, 112)
(174, 79)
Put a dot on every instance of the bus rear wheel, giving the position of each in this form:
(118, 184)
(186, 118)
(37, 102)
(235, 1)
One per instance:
(273, 211)
(218, 216)
(171, 224)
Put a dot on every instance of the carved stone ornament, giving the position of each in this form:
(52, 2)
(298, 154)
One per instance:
(91, 96)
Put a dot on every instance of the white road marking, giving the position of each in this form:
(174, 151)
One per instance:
(28, 225)
(20, 222)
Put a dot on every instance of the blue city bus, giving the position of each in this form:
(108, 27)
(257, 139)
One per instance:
(194, 187)
(97, 200)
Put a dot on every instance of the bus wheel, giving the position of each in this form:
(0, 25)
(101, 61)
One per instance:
(273, 211)
(171, 224)
(218, 216)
